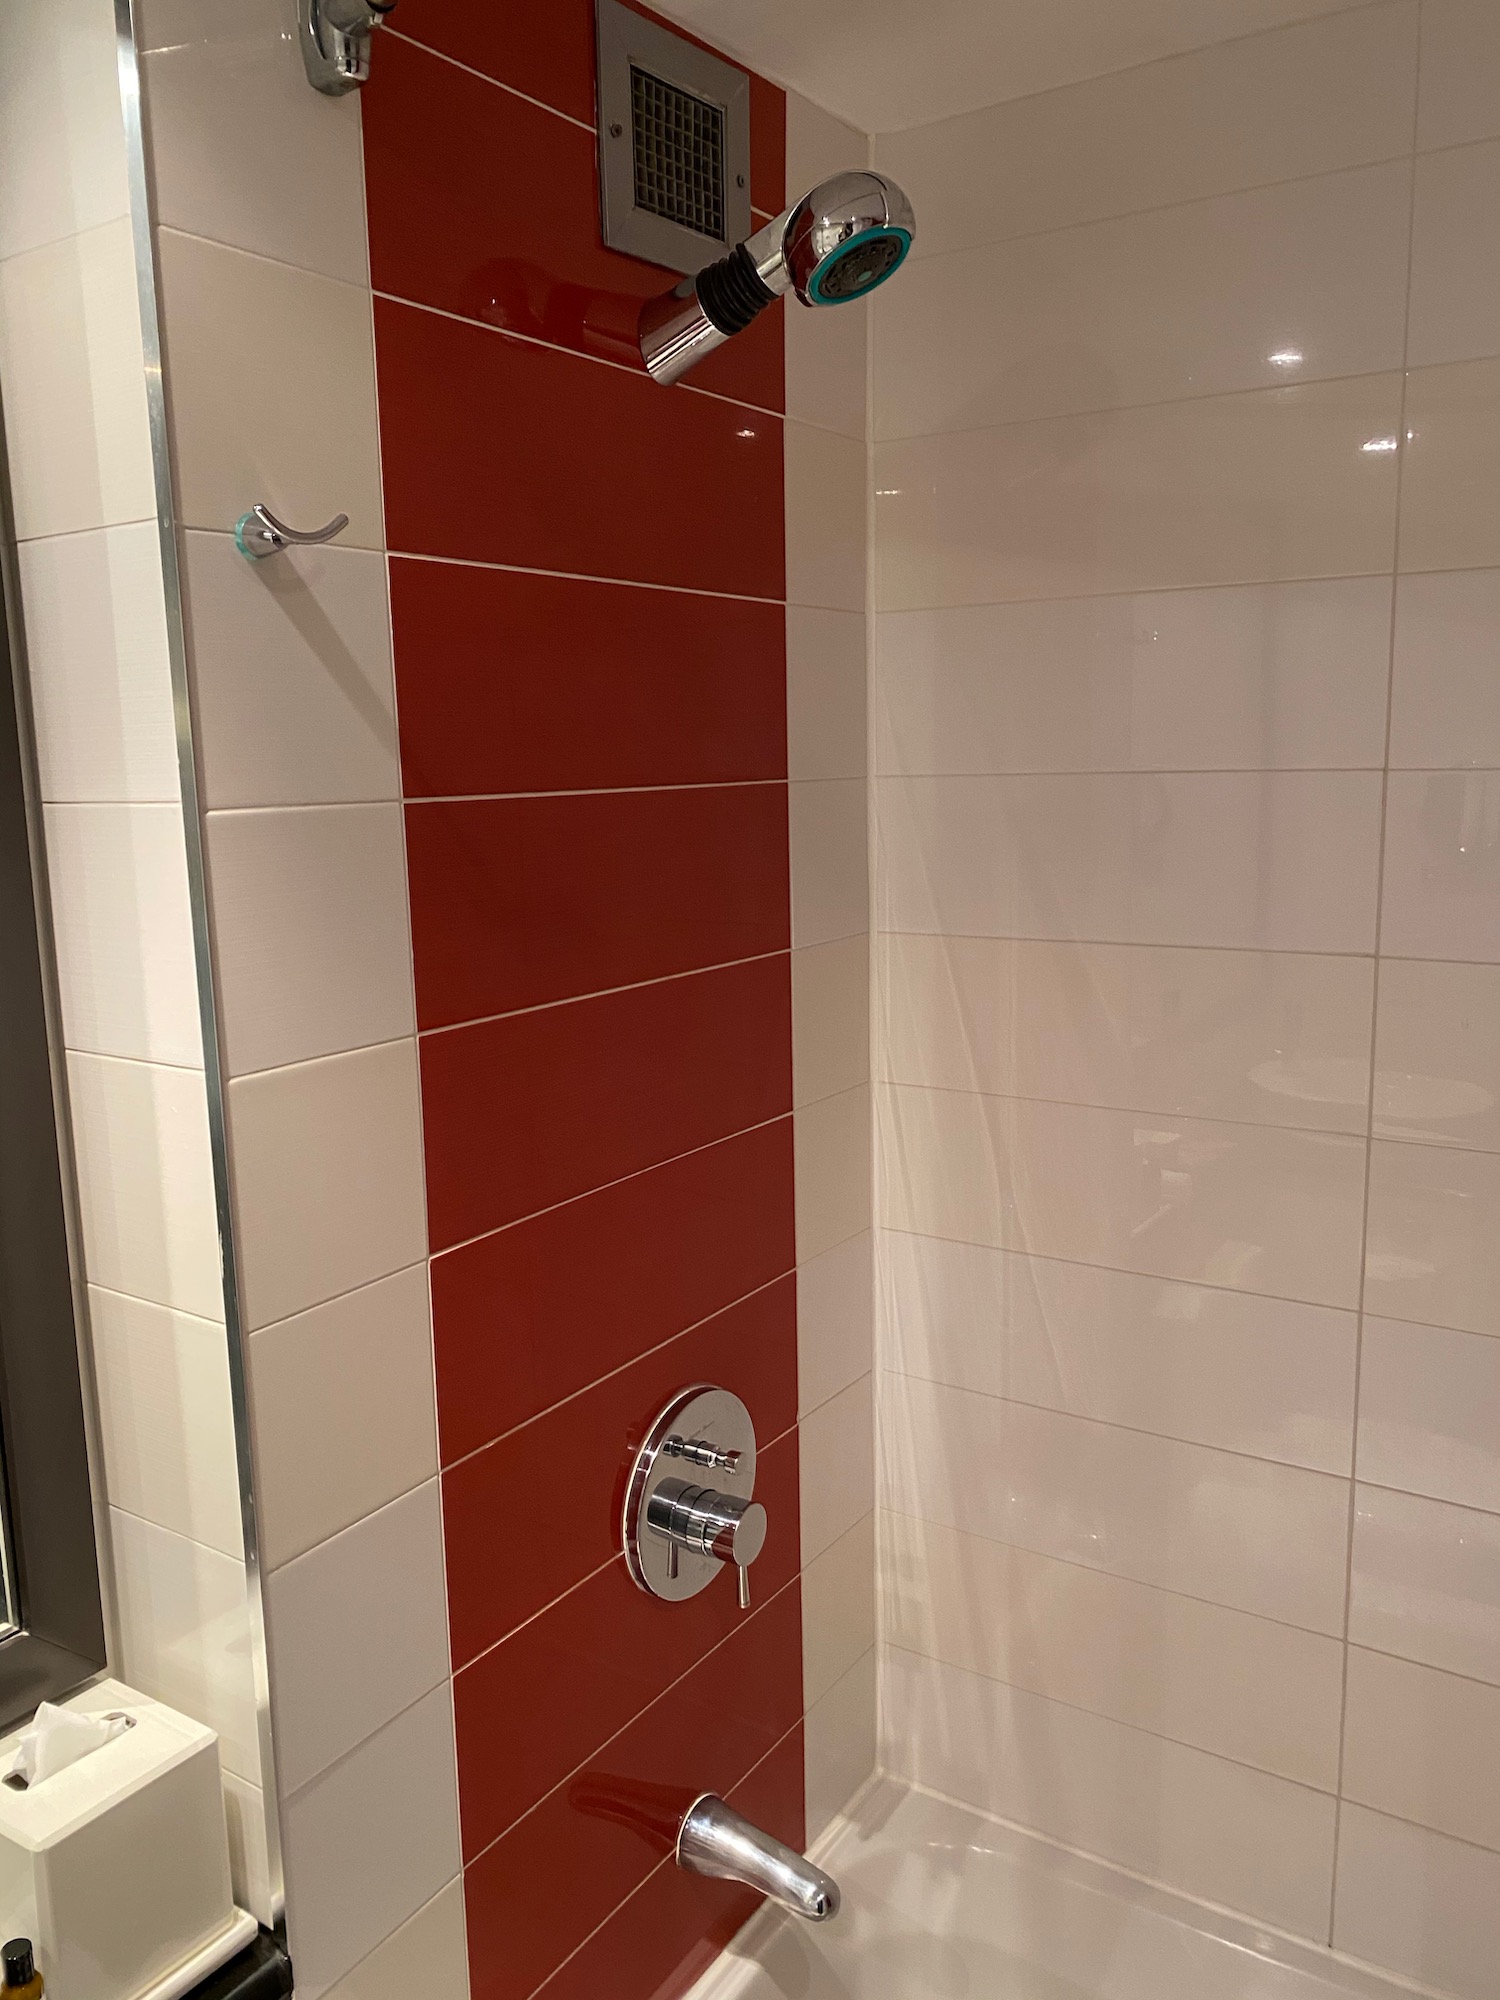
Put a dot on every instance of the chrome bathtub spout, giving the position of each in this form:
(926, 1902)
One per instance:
(716, 1840)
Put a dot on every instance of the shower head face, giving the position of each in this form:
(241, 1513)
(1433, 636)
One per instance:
(846, 237)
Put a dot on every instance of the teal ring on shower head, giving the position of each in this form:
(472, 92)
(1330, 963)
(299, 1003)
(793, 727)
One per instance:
(886, 232)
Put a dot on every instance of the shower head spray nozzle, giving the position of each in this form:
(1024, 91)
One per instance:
(835, 245)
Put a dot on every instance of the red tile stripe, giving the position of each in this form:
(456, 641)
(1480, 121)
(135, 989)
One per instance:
(534, 1313)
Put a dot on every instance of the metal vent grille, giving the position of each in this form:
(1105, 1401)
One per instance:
(679, 155)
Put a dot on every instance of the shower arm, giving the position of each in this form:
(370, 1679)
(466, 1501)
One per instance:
(717, 1841)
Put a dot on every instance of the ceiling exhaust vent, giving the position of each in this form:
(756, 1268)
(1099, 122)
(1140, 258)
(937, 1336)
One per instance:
(674, 144)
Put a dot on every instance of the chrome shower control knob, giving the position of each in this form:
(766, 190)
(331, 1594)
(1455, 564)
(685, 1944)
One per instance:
(680, 1532)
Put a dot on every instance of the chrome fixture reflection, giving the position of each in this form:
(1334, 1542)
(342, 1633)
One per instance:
(680, 1531)
(716, 1840)
(832, 247)
(259, 534)
(335, 36)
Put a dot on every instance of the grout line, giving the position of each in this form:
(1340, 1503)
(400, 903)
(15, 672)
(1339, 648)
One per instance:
(1172, 57)
(1119, 1722)
(1282, 389)
(574, 576)
(605, 1185)
(1159, 771)
(666, 1861)
(1380, 865)
(604, 993)
(441, 55)
(1175, 1117)
(1137, 944)
(1114, 1424)
(1118, 1576)
(741, 1624)
(572, 353)
(611, 1374)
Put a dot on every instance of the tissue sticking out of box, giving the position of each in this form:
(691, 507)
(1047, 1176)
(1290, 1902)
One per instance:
(57, 1738)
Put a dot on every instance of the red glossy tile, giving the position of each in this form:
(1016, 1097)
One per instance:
(583, 1450)
(670, 1930)
(460, 239)
(539, 1892)
(499, 450)
(517, 902)
(533, 1109)
(547, 51)
(530, 1315)
(534, 1708)
(511, 682)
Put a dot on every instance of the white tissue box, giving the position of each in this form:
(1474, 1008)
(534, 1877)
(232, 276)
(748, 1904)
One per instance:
(117, 1867)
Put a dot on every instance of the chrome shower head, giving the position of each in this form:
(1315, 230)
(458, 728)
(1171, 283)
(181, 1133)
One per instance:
(834, 246)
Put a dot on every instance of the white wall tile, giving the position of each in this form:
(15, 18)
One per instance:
(1442, 865)
(96, 645)
(1281, 861)
(358, 1631)
(829, 862)
(1261, 1376)
(1268, 1037)
(1248, 1207)
(1434, 1236)
(60, 113)
(126, 972)
(312, 931)
(1423, 1746)
(221, 88)
(1450, 491)
(836, 1451)
(1268, 1539)
(1427, 1405)
(1460, 94)
(429, 1953)
(1426, 1582)
(328, 1177)
(1425, 1906)
(1241, 1687)
(166, 1421)
(1264, 677)
(825, 693)
(831, 1142)
(343, 1412)
(1455, 293)
(1183, 301)
(838, 1609)
(299, 433)
(1216, 1829)
(1267, 108)
(249, 1856)
(184, 1632)
(835, 1320)
(840, 1744)
(1266, 486)
(370, 1842)
(75, 383)
(292, 675)
(1445, 700)
(145, 1182)
(817, 145)
(825, 518)
(830, 1018)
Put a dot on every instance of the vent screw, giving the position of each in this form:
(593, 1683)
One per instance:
(617, 130)
(739, 180)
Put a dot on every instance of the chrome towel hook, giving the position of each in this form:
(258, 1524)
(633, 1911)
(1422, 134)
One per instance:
(259, 533)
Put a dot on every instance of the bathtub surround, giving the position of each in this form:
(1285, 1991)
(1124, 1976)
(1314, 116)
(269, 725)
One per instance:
(535, 821)
(1186, 471)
